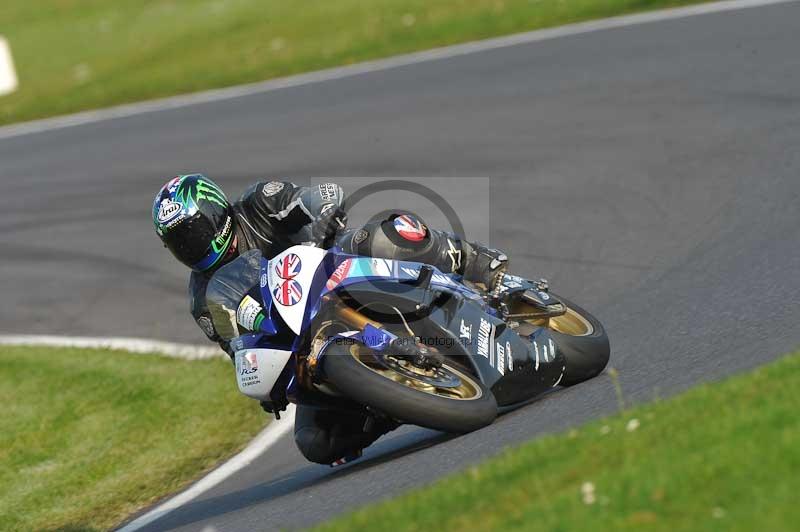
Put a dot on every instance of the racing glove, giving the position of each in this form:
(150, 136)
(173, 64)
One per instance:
(486, 266)
(331, 220)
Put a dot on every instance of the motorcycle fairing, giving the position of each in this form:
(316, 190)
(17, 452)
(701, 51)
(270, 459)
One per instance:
(289, 286)
(310, 276)
(505, 362)
(258, 369)
(511, 366)
(351, 269)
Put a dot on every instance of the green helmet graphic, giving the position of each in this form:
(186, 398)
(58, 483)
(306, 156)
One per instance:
(195, 221)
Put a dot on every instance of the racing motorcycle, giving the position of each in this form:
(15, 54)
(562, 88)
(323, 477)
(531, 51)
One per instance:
(398, 340)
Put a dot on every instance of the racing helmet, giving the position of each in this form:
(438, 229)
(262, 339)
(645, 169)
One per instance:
(195, 221)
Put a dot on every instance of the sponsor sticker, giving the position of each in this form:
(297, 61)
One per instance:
(328, 191)
(247, 312)
(247, 369)
(360, 236)
(381, 267)
(168, 210)
(249, 364)
(272, 188)
(500, 351)
(465, 332)
(410, 228)
(249, 380)
(485, 338)
(223, 236)
(339, 275)
(175, 221)
(503, 357)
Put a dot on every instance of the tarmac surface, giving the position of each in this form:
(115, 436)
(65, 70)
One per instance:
(651, 173)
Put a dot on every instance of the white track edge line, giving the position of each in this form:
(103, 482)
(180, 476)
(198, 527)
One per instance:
(134, 345)
(175, 102)
(266, 439)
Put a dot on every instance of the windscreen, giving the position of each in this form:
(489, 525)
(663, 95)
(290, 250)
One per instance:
(227, 288)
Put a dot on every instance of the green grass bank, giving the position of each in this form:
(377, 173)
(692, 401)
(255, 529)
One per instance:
(88, 437)
(73, 55)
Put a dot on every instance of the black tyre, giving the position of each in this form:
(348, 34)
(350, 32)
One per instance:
(583, 341)
(396, 392)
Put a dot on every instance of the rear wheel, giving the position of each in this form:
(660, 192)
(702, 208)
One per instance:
(449, 398)
(580, 337)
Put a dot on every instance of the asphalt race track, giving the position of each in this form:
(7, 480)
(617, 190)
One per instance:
(652, 173)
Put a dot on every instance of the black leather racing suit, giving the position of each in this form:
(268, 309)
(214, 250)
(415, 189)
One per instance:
(273, 216)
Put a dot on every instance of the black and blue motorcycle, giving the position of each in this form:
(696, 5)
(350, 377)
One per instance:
(400, 340)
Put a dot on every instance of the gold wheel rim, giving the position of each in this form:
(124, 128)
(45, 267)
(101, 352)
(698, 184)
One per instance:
(571, 323)
(468, 390)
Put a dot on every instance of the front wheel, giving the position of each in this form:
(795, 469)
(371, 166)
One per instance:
(449, 399)
(580, 336)
(583, 341)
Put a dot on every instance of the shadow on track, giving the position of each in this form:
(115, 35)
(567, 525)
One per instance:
(314, 475)
(394, 447)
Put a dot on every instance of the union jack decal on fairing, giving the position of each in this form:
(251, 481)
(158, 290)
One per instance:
(288, 267)
(288, 293)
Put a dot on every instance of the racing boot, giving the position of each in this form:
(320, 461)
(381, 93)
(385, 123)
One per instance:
(328, 436)
(373, 429)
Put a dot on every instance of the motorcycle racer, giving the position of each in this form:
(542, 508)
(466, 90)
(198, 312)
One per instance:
(204, 230)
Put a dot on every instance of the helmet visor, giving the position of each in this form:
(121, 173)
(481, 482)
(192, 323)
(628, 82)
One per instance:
(190, 240)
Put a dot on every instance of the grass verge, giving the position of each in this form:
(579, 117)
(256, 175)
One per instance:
(88, 437)
(73, 55)
(723, 456)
